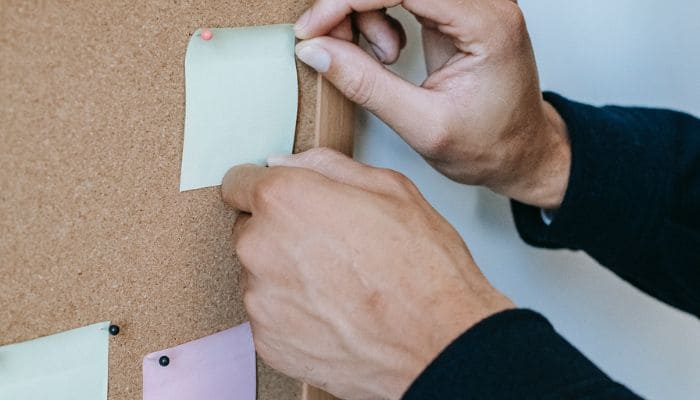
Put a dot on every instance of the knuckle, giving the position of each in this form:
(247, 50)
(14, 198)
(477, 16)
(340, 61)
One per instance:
(361, 89)
(270, 190)
(282, 188)
(246, 247)
(394, 177)
(249, 302)
(320, 155)
(254, 306)
(439, 140)
(515, 16)
(397, 181)
(321, 152)
(514, 20)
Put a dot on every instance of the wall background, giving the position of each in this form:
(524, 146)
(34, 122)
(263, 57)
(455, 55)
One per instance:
(628, 52)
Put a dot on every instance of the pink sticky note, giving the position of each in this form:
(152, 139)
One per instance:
(216, 367)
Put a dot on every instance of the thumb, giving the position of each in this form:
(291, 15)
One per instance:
(407, 108)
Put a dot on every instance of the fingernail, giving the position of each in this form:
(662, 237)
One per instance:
(314, 56)
(378, 52)
(277, 159)
(302, 22)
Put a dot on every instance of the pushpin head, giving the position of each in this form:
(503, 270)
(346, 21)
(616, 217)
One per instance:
(206, 34)
(164, 361)
(114, 330)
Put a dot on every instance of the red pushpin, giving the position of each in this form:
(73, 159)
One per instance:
(206, 34)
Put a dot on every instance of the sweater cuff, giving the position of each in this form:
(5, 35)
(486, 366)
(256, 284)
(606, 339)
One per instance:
(512, 354)
(609, 161)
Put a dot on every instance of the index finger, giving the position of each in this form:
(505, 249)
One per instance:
(324, 15)
(239, 185)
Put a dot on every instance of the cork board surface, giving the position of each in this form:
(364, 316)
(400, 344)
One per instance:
(92, 225)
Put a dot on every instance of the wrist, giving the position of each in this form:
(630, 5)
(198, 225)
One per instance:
(542, 164)
(452, 326)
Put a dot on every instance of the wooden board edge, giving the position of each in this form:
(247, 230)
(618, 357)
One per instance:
(335, 118)
(334, 129)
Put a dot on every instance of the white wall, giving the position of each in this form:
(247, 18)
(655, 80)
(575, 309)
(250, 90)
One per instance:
(640, 52)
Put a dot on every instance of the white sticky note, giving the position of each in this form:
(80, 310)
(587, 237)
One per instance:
(71, 365)
(241, 101)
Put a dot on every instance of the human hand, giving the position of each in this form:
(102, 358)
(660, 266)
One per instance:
(479, 118)
(354, 282)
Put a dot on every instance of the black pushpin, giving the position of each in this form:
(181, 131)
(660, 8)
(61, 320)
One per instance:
(114, 330)
(164, 361)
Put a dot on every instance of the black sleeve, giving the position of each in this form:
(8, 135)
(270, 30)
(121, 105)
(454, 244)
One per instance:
(515, 354)
(633, 199)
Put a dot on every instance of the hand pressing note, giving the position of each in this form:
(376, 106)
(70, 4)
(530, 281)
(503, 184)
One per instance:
(354, 282)
(479, 117)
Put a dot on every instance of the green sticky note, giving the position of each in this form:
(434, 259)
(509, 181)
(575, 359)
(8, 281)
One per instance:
(241, 100)
(71, 365)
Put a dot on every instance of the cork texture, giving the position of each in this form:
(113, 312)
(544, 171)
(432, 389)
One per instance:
(92, 225)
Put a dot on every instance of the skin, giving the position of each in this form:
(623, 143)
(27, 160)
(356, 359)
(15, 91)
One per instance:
(479, 117)
(354, 283)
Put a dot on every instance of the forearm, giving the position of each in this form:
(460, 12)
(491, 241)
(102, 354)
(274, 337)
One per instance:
(632, 199)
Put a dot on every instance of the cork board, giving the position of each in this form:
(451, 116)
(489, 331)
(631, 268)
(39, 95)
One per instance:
(92, 225)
